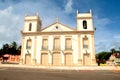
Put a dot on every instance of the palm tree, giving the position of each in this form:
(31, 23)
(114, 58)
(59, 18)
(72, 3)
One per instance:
(12, 48)
(19, 50)
(113, 50)
(14, 44)
(5, 49)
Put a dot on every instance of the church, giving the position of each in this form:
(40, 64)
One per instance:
(58, 44)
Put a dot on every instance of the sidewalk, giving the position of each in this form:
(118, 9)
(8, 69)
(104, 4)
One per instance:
(63, 67)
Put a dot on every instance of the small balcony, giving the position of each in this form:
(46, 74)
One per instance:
(68, 47)
(56, 48)
(85, 46)
(44, 47)
(28, 47)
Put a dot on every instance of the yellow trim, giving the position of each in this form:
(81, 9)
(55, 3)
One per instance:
(84, 17)
(68, 51)
(56, 33)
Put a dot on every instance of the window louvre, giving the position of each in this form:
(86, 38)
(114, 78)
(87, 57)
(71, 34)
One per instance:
(85, 43)
(29, 44)
(56, 43)
(84, 24)
(45, 44)
(30, 26)
(68, 44)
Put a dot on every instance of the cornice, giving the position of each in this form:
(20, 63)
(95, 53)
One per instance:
(84, 17)
(32, 20)
(56, 33)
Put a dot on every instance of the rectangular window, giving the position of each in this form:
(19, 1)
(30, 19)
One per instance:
(30, 26)
(29, 44)
(45, 44)
(68, 44)
(56, 43)
(85, 43)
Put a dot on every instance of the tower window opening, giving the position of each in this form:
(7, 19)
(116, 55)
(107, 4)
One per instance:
(30, 26)
(84, 24)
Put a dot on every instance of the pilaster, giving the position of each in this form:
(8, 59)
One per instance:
(22, 50)
(34, 56)
(93, 50)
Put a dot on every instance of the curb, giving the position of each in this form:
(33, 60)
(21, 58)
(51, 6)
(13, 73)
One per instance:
(62, 67)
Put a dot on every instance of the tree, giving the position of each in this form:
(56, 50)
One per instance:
(14, 44)
(103, 56)
(19, 50)
(0, 52)
(12, 49)
(5, 49)
(113, 50)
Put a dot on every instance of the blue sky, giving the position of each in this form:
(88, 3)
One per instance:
(106, 16)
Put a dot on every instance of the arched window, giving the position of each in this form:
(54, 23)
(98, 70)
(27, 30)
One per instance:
(84, 24)
(30, 26)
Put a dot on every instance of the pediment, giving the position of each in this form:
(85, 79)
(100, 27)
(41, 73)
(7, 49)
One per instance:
(57, 27)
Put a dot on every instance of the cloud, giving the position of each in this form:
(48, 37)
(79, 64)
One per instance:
(115, 44)
(9, 26)
(102, 33)
(105, 37)
(117, 37)
(48, 10)
(68, 7)
(101, 22)
(12, 17)
(101, 46)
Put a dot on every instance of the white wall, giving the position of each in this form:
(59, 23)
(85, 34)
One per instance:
(75, 48)
(39, 44)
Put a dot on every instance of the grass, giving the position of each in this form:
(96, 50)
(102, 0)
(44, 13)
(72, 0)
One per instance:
(102, 64)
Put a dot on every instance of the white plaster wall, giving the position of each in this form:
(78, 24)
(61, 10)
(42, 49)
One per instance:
(62, 39)
(50, 47)
(24, 48)
(31, 51)
(50, 42)
(84, 15)
(33, 28)
(75, 48)
(31, 17)
(81, 46)
(38, 46)
(89, 24)
(90, 45)
(62, 42)
(60, 28)
(89, 50)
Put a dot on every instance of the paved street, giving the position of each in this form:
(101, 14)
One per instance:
(46, 74)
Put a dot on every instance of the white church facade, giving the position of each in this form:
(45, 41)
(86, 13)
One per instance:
(58, 44)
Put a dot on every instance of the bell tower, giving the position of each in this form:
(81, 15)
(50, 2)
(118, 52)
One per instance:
(84, 21)
(32, 23)
(87, 47)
